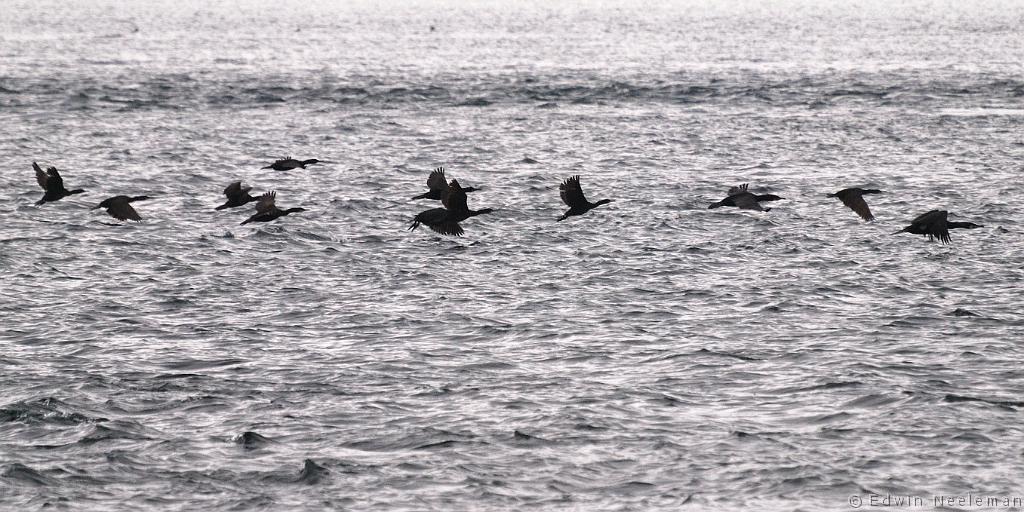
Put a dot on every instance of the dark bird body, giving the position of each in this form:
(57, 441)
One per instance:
(446, 220)
(287, 164)
(740, 198)
(438, 185)
(935, 225)
(53, 184)
(572, 196)
(267, 211)
(237, 194)
(853, 199)
(120, 208)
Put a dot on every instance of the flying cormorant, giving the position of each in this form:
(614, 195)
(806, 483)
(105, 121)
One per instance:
(446, 220)
(237, 194)
(740, 198)
(935, 225)
(438, 185)
(289, 163)
(852, 197)
(119, 207)
(53, 184)
(572, 196)
(267, 211)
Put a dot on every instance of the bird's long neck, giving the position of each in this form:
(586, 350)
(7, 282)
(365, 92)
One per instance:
(965, 225)
(603, 201)
(871, 191)
(292, 210)
(474, 213)
(138, 198)
(76, 191)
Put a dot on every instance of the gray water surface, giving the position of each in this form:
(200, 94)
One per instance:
(651, 355)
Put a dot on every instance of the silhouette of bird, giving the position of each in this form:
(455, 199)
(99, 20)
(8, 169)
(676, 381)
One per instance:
(119, 207)
(740, 198)
(572, 196)
(935, 225)
(289, 163)
(267, 211)
(53, 184)
(852, 198)
(438, 186)
(237, 194)
(446, 220)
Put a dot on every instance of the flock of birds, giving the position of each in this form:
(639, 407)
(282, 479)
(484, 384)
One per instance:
(446, 220)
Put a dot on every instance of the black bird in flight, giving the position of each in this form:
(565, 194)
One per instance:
(120, 208)
(237, 194)
(853, 198)
(935, 225)
(289, 163)
(740, 198)
(267, 211)
(438, 185)
(572, 196)
(53, 184)
(446, 220)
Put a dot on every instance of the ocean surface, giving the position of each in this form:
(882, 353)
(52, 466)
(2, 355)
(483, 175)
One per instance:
(650, 355)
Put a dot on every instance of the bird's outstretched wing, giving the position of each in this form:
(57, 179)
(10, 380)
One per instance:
(572, 192)
(437, 181)
(447, 228)
(53, 179)
(854, 200)
(121, 209)
(236, 189)
(266, 202)
(41, 176)
(455, 198)
(934, 224)
(738, 189)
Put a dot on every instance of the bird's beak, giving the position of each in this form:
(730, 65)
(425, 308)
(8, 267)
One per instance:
(94, 207)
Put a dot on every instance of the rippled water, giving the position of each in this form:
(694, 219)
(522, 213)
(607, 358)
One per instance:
(652, 354)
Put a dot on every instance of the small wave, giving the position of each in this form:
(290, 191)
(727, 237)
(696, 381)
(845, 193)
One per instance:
(1013, 404)
(23, 474)
(252, 441)
(45, 410)
(176, 90)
